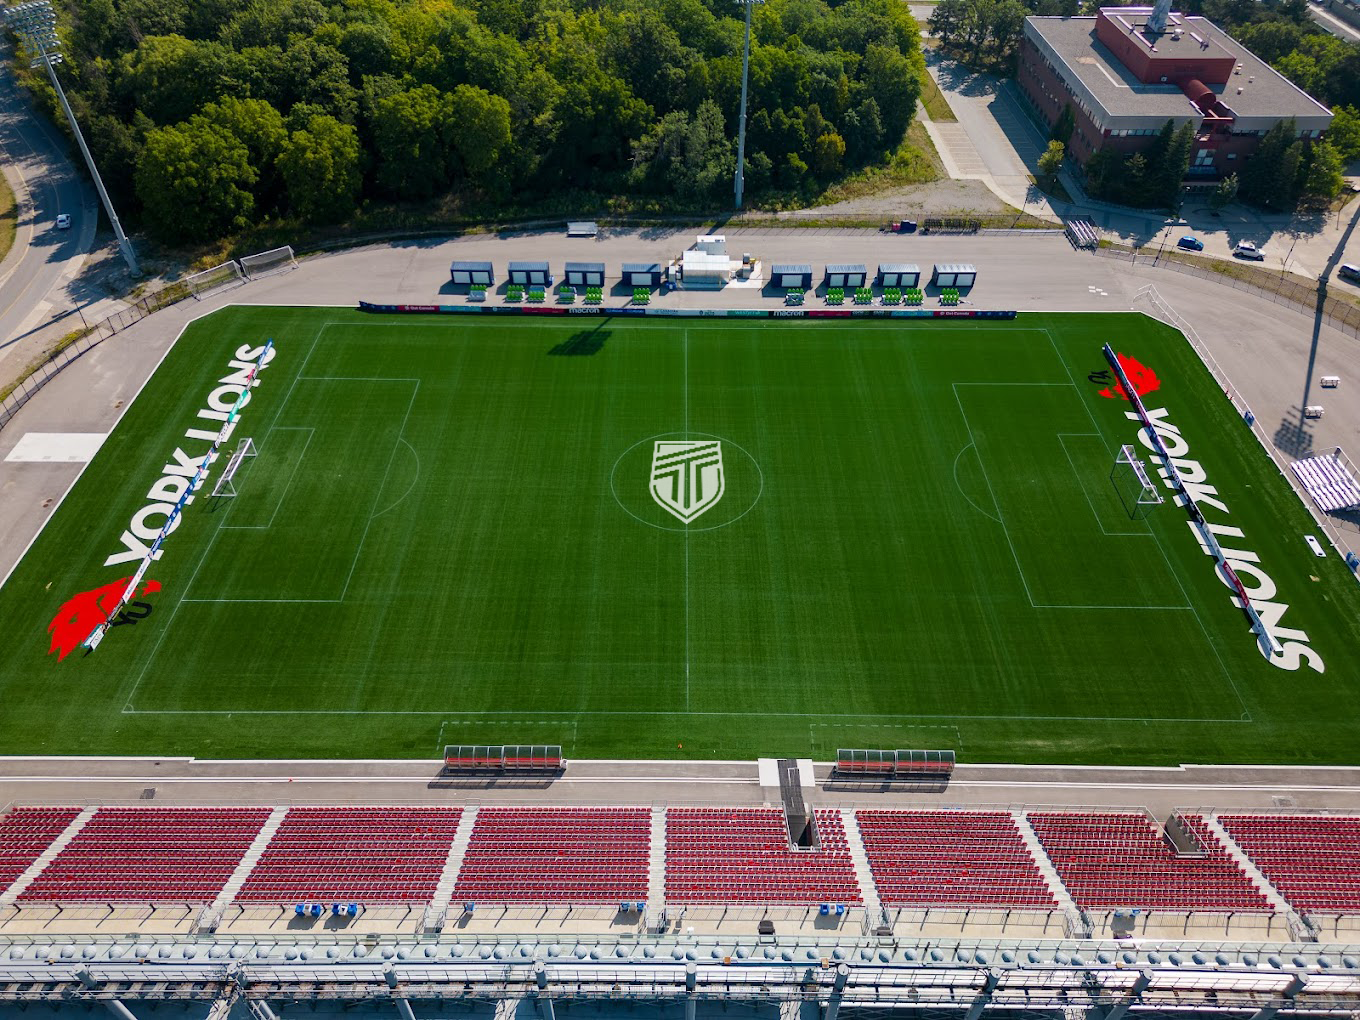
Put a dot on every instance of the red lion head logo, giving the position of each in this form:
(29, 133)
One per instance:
(81, 614)
(1144, 379)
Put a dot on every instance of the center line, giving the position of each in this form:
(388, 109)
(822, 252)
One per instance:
(686, 390)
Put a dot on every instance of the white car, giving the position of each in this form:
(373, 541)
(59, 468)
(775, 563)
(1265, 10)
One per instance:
(1247, 250)
(64, 221)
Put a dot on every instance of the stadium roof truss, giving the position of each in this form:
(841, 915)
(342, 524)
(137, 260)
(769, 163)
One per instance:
(849, 972)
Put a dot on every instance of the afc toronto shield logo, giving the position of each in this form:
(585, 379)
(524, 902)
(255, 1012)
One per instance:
(687, 476)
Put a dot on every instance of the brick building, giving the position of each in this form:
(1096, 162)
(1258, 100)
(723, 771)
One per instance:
(1129, 70)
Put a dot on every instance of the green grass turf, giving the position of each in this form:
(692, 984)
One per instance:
(447, 537)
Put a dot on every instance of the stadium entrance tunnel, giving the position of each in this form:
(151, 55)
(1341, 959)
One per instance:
(686, 481)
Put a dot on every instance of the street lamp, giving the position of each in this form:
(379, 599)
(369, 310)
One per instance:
(745, 71)
(36, 23)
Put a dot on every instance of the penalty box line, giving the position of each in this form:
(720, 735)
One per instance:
(207, 546)
(1213, 646)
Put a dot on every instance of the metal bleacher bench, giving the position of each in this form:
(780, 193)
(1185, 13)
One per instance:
(582, 228)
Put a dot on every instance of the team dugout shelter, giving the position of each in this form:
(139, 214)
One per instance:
(846, 276)
(530, 274)
(791, 277)
(473, 274)
(958, 276)
(583, 274)
(899, 274)
(642, 274)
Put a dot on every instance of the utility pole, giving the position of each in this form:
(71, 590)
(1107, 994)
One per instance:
(745, 73)
(35, 22)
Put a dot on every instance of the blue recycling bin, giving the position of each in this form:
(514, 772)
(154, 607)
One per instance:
(353, 910)
(300, 909)
(317, 908)
(840, 909)
(824, 909)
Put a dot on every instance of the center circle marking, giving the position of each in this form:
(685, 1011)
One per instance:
(614, 490)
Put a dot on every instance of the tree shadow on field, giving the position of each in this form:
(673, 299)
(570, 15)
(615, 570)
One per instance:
(582, 343)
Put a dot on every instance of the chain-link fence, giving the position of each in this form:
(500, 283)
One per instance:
(1283, 289)
(79, 341)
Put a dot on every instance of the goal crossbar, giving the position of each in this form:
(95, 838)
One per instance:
(225, 482)
(1150, 494)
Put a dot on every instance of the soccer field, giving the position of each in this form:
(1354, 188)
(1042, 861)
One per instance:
(454, 532)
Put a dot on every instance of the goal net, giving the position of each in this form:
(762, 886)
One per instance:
(218, 276)
(1131, 479)
(266, 263)
(226, 481)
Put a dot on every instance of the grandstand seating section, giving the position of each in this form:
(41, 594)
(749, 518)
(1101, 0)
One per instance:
(179, 855)
(24, 834)
(377, 855)
(952, 858)
(1112, 860)
(1106, 859)
(1313, 860)
(556, 855)
(742, 855)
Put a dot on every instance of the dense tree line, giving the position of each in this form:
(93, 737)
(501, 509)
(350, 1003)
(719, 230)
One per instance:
(986, 33)
(1149, 179)
(207, 115)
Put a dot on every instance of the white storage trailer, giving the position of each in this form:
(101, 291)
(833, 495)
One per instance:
(642, 274)
(474, 274)
(791, 277)
(530, 274)
(846, 276)
(583, 274)
(899, 274)
(958, 276)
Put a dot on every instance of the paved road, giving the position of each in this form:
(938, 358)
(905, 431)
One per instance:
(45, 184)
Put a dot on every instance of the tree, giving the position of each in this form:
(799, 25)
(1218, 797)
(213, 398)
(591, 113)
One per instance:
(893, 81)
(1051, 160)
(320, 165)
(195, 182)
(828, 153)
(1224, 194)
(1064, 125)
(480, 132)
(1323, 179)
(1344, 133)
(408, 137)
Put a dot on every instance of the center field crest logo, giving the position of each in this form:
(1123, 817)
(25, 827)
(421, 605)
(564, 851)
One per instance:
(687, 476)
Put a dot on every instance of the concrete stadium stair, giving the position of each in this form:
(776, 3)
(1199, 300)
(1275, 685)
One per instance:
(860, 858)
(36, 868)
(248, 862)
(1046, 868)
(453, 864)
(1244, 862)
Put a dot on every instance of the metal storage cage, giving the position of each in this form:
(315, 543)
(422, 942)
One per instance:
(642, 274)
(899, 274)
(530, 273)
(958, 276)
(790, 277)
(477, 274)
(846, 276)
(583, 274)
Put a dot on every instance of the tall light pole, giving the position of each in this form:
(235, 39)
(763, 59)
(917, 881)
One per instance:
(36, 23)
(745, 72)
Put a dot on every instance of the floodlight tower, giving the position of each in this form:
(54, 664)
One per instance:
(745, 72)
(36, 23)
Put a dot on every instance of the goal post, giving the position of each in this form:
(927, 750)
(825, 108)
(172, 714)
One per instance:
(228, 272)
(267, 263)
(1131, 479)
(226, 481)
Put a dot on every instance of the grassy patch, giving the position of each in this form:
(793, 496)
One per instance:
(914, 162)
(9, 217)
(937, 107)
(449, 535)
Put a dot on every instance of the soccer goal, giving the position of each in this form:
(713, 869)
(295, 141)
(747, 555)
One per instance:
(228, 272)
(1133, 484)
(267, 263)
(226, 481)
